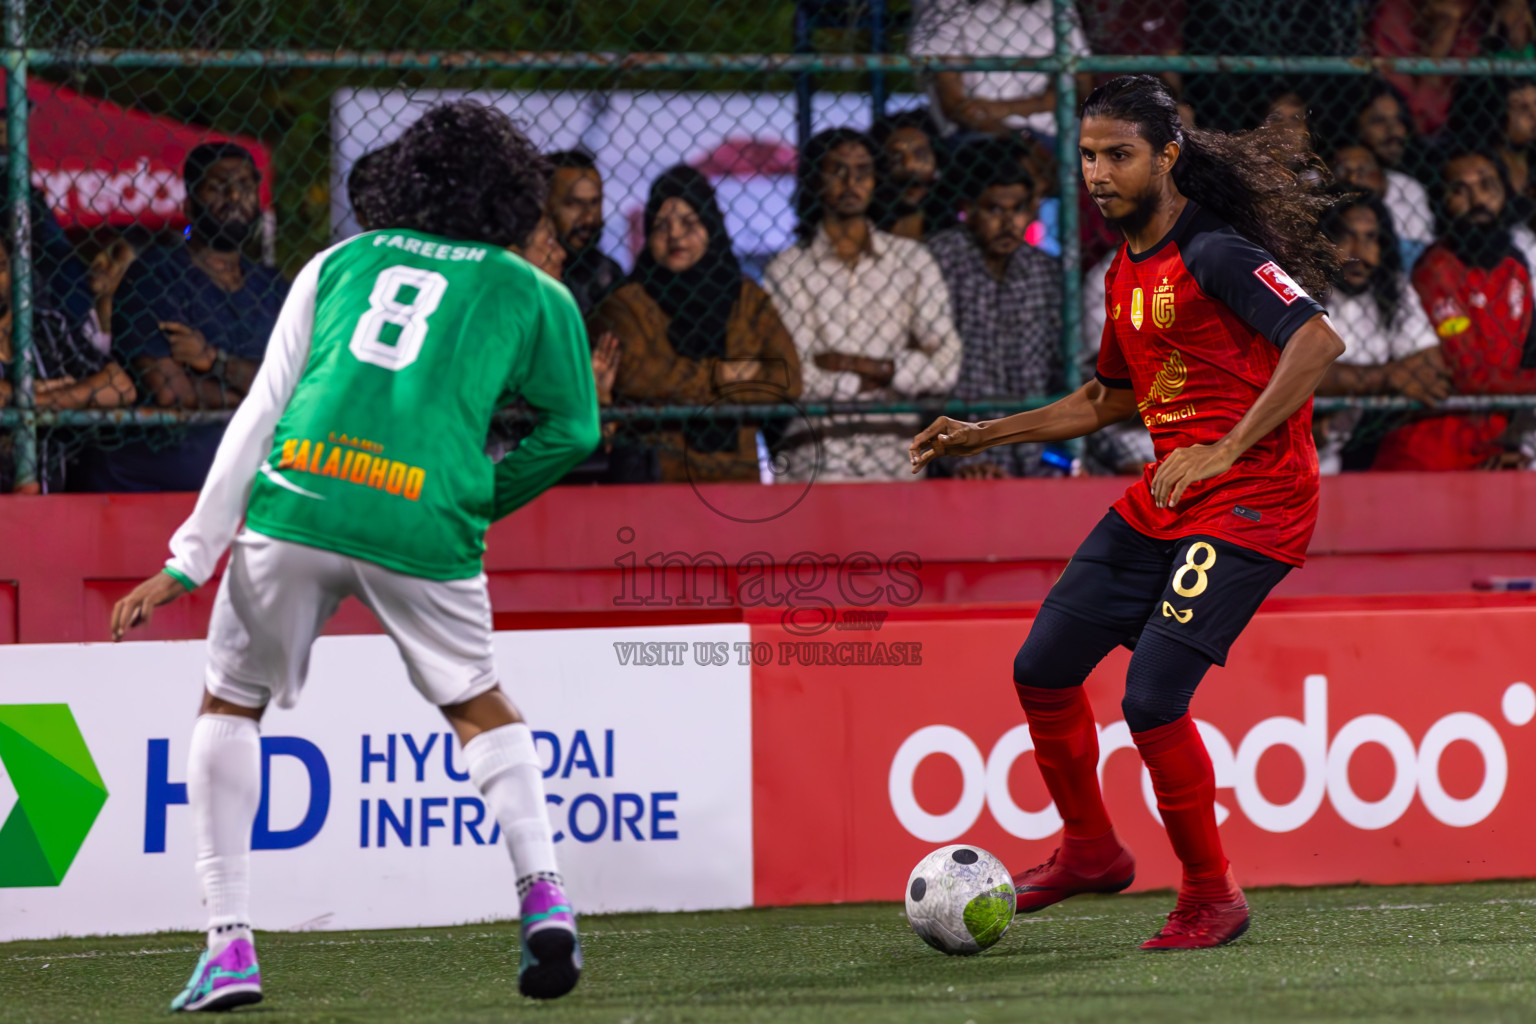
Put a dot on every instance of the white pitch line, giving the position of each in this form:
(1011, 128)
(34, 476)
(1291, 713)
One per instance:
(93, 954)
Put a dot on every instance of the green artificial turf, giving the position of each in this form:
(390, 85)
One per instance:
(1430, 953)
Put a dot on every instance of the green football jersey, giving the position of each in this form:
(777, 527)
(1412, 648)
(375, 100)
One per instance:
(416, 342)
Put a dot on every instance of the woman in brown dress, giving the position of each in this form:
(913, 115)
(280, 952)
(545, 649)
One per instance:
(693, 331)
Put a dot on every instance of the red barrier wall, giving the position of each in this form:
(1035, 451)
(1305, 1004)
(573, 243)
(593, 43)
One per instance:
(1375, 745)
(578, 555)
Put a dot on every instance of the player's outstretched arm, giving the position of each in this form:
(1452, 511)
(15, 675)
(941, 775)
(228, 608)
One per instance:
(1091, 407)
(136, 609)
(1307, 355)
(560, 388)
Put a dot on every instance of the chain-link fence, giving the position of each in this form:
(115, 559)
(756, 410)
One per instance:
(797, 230)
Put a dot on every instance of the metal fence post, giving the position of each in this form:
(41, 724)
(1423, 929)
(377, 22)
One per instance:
(1066, 185)
(18, 186)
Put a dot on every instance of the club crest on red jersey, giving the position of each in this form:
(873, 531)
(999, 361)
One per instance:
(1162, 305)
(1279, 282)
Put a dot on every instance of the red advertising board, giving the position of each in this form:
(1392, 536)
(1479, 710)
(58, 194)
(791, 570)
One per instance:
(1382, 745)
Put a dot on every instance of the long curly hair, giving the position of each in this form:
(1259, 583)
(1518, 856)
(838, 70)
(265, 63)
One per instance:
(464, 170)
(365, 186)
(1387, 283)
(1241, 177)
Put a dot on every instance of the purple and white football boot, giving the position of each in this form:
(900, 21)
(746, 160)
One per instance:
(233, 978)
(551, 952)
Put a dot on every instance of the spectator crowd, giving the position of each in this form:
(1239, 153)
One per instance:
(921, 266)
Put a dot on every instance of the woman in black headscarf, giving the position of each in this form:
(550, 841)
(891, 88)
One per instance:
(693, 331)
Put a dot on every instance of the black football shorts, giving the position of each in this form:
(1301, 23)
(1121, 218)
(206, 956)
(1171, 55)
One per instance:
(1199, 590)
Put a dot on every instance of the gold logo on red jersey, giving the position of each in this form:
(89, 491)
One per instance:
(1117, 311)
(1167, 383)
(1136, 309)
(1162, 305)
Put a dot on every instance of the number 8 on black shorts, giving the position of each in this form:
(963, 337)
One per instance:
(1200, 590)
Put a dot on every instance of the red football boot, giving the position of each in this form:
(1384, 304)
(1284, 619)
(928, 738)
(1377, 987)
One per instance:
(1202, 925)
(1055, 880)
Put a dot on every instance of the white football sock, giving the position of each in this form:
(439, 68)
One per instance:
(224, 789)
(505, 767)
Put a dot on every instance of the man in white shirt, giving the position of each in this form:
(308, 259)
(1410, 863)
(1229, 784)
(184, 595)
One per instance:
(869, 313)
(1390, 346)
(994, 102)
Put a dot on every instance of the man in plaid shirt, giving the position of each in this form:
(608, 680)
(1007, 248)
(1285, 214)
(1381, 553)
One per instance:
(1006, 297)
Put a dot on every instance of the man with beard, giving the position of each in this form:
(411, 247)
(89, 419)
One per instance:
(1404, 200)
(905, 203)
(1006, 297)
(1477, 292)
(869, 313)
(575, 206)
(1389, 346)
(190, 323)
(1381, 123)
(1499, 115)
(1218, 348)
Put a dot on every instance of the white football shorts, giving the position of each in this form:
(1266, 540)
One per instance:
(277, 595)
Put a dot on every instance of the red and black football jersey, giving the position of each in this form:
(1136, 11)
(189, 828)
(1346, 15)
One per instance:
(1194, 326)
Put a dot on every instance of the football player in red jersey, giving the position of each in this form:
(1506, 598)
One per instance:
(1212, 339)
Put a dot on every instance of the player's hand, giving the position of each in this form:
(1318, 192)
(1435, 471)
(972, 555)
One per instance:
(188, 346)
(1186, 466)
(136, 609)
(945, 436)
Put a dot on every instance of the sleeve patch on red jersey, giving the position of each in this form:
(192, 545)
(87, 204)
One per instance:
(1279, 282)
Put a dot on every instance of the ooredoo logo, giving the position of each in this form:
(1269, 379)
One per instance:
(1415, 770)
(58, 793)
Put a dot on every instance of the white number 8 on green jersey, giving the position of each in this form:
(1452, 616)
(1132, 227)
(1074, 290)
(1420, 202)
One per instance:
(385, 307)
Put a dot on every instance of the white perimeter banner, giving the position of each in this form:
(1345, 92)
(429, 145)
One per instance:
(369, 820)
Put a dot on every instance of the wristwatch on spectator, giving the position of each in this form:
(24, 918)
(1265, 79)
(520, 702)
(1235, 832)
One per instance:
(220, 363)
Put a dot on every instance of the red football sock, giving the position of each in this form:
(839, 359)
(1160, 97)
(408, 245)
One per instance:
(1067, 751)
(1185, 784)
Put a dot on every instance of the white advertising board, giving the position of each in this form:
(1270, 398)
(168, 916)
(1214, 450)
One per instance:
(369, 820)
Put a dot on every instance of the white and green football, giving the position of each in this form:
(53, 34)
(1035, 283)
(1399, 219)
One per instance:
(960, 900)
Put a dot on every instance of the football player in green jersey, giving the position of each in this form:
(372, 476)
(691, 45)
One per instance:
(358, 465)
